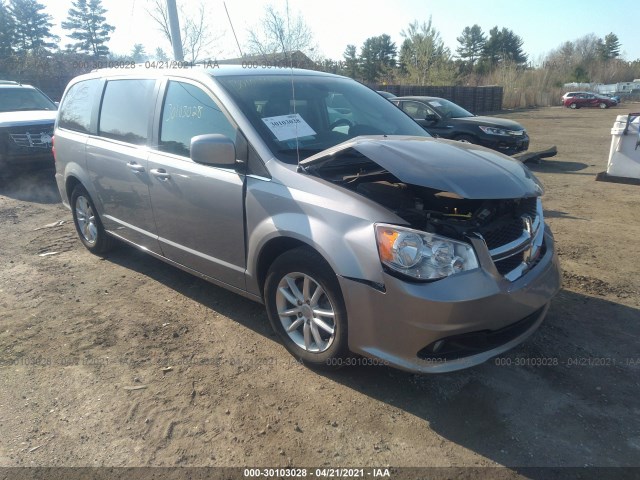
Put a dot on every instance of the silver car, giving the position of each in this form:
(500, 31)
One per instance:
(367, 240)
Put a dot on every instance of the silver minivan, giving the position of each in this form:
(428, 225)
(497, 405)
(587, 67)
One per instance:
(368, 241)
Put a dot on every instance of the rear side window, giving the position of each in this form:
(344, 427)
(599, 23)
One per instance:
(75, 111)
(126, 108)
(188, 111)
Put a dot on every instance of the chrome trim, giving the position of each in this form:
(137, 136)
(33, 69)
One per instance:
(531, 239)
(520, 243)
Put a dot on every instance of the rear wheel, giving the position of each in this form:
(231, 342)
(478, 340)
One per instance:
(603, 105)
(88, 225)
(306, 308)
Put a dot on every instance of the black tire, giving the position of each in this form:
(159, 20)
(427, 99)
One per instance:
(297, 266)
(88, 224)
(603, 105)
(573, 106)
(466, 139)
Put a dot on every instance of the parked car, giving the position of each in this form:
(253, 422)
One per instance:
(615, 98)
(387, 95)
(571, 95)
(445, 119)
(361, 236)
(26, 126)
(586, 99)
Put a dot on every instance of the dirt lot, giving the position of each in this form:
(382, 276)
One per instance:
(78, 331)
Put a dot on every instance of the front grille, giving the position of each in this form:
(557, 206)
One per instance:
(503, 234)
(510, 263)
(33, 138)
(519, 230)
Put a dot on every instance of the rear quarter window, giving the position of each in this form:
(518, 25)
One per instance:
(75, 111)
(126, 109)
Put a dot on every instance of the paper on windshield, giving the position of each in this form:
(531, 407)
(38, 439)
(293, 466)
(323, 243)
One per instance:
(286, 127)
(435, 103)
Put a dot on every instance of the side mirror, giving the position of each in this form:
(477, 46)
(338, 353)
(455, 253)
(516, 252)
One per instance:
(213, 149)
(431, 118)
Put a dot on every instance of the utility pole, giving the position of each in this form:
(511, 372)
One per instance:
(174, 26)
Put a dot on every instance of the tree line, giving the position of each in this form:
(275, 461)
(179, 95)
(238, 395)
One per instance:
(496, 57)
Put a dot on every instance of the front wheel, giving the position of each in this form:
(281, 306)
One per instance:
(306, 308)
(573, 106)
(466, 139)
(88, 225)
(603, 105)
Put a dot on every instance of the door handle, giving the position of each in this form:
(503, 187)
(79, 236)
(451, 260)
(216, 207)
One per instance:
(136, 167)
(160, 173)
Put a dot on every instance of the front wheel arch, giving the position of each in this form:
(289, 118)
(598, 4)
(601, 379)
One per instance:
(465, 138)
(306, 308)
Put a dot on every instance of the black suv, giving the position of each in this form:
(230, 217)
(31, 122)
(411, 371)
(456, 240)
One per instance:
(443, 118)
(26, 126)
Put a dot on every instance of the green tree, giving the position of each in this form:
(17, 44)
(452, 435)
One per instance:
(424, 57)
(7, 29)
(32, 26)
(138, 53)
(377, 57)
(472, 43)
(351, 66)
(503, 46)
(88, 26)
(609, 48)
(580, 75)
(160, 55)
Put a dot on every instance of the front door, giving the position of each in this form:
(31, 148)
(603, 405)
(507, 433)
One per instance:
(198, 208)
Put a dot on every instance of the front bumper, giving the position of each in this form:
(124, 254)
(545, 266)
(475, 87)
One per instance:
(507, 145)
(479, 306)
(30, 159)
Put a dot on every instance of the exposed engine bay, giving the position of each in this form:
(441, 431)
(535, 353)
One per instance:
(427, 209)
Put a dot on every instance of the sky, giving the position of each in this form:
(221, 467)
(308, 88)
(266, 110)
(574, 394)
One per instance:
(542, 24)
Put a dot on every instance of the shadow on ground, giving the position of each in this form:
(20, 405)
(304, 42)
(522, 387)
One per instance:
(558, 166)
(30, 185)
(566, 397)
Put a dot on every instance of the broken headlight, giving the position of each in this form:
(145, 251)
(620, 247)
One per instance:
(421, 255)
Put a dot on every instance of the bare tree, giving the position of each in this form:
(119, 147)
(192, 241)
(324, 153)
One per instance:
(281, 33)
(198, 39)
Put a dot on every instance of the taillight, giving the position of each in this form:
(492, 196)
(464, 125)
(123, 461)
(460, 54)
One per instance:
(53, 147)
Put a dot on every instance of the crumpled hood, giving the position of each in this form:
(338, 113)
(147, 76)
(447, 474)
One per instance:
(468, 170)
(29, 117)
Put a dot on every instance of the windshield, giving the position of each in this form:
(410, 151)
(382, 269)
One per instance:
(21, 99)
(299, 116)
(448, 109)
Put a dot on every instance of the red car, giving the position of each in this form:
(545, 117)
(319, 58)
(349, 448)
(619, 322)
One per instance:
(585, 99)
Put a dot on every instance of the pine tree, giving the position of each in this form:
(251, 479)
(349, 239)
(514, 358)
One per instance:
(138, 53)
(609, 48)
(424, 56)
(32, 26)
(502, 46)
(351, 66)
(472, 43)
(7, 29)
(88, 24)
(160, 55)
(377, 57)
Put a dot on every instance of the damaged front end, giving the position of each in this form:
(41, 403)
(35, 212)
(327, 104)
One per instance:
(454, 198)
